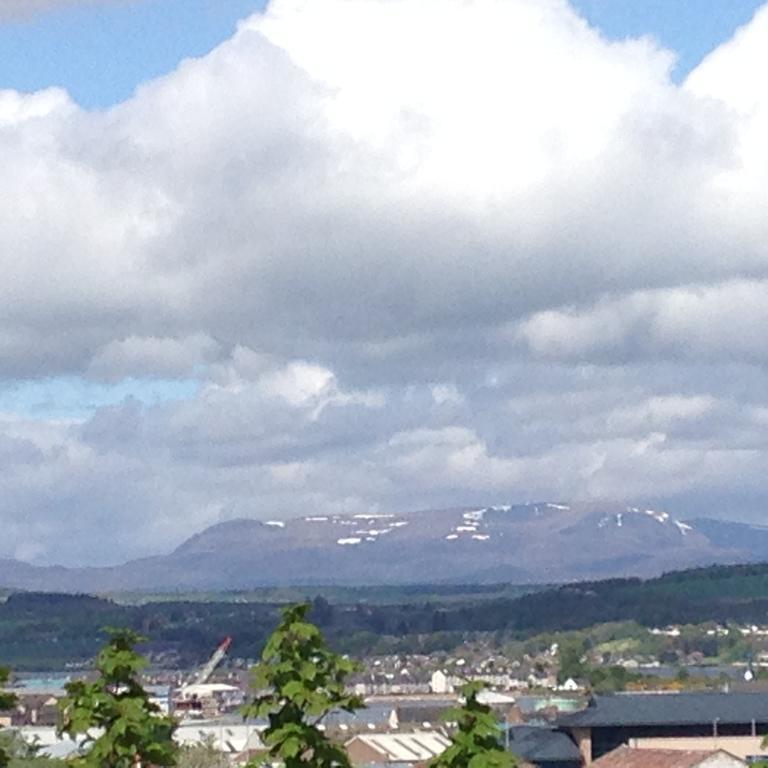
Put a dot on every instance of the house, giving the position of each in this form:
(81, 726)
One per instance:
(736, 722)
(399, 748)
(440, 682)
(627, 757)
(542, 746)
(35, 709)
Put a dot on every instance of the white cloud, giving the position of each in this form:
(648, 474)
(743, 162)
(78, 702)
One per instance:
(151, 356)
(299, 383)
(315, 200)
(147, 476)
(412, 251)
(710, 322)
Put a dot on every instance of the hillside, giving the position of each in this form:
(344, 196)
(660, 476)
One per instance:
(184, 632)
(521, 544)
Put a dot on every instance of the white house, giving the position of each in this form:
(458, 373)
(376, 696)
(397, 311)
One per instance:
(440, 683)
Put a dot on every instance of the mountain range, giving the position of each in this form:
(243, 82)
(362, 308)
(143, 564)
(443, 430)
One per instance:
(544, 542)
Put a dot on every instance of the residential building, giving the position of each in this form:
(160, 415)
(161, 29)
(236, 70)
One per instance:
(440, 683)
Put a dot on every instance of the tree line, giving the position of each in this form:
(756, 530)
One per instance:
(39, 631)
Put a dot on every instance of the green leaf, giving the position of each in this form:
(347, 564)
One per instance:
(119, 707)
(305, 681)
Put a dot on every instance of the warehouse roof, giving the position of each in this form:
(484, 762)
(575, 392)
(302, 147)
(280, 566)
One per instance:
(627, 709)
(406, 747)
(540, 744)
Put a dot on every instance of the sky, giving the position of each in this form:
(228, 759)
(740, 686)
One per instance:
(327, 256)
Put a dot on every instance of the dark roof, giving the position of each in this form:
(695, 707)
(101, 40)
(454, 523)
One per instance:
(422, 714)
(539, 744)
(669, 709)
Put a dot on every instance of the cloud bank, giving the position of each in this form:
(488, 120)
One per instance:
(412, 253)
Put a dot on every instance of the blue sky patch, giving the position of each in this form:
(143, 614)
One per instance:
(101, 53)
(69, 397)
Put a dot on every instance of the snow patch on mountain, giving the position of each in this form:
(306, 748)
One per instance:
(373, 516)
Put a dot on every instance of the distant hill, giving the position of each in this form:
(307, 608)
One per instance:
(546, 542)
(45, 631)
(721, 593)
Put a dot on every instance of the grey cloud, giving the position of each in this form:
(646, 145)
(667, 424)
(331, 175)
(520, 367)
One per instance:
(543, 280)
(254, 448)
(698, 322)
(247, 198)
(152, 356)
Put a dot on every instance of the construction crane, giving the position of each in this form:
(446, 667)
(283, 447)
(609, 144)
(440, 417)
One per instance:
(205, 673)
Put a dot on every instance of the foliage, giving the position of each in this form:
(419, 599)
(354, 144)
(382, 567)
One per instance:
(7, 701)
(202, 755)
(611, 679)
(476, 742)
(133, 728)
(402, 619)
(571, 658)
(6, 749)
(302, 681)
(21, 753)
(16, 747)
(39, 761)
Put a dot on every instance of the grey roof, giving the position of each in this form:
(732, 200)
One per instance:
(669, 709)
(422, 714)
(374, 714)
(537, 744)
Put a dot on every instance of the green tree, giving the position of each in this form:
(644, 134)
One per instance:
(21, 753)
(476, 742)
(132, 728)
(571, 658)
(202, 755)
(301, 681)
(7, 701)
